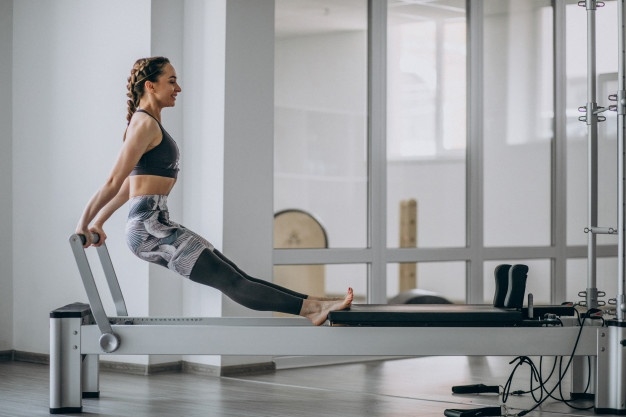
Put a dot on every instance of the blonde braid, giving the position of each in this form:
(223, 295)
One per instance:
(145, 69)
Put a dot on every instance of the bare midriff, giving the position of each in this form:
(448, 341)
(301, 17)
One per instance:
(150, 185)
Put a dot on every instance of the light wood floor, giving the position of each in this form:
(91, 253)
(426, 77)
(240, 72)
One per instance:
(416, 387)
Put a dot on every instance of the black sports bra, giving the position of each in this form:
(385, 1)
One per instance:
(162, 160)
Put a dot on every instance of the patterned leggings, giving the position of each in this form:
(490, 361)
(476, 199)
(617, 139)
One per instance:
(153, 237)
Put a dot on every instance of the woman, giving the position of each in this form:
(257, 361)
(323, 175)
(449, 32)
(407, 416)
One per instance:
(144, 174)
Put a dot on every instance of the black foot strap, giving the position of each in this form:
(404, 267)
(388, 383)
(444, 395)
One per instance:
(474, 412)
(475, 389)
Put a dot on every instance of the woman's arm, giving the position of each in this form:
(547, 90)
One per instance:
(140, 136)
(107, 211)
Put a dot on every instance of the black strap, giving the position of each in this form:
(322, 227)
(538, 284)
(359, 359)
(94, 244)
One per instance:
(155, 119)
(474, 412)
(475, 389)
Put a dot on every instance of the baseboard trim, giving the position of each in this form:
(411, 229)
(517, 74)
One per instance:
(6, 355)
(151, 369)
(230, 370)
(40, 358)
(293, 362)
(139, 369)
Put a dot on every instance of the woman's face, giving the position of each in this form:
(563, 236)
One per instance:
(166, 87)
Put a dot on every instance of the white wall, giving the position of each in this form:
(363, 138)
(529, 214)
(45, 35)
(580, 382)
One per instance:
(6, 230)
(69, 76)
(68, 113)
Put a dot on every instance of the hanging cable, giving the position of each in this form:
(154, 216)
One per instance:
(537, 377)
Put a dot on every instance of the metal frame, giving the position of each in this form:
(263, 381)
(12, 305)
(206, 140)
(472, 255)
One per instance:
(75, 341)
(620, 97)
(475, 149)
(592, 118)
(77, 332)
(377, 149)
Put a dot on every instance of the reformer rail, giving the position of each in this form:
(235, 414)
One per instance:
(80, 332)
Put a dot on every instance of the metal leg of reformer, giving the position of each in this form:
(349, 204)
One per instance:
(91, 376)
(583, 377)
(73, 375)
(65, 366)
(611, 390)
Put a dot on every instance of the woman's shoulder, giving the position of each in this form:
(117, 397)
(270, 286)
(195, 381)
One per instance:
(143, 127)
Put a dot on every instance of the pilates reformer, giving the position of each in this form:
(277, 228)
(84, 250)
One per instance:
(80, 333)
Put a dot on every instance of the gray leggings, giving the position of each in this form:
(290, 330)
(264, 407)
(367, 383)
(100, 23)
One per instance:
(153, 237)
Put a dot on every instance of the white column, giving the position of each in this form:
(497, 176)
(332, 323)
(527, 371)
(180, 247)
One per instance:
(228, 142)
(6, 204)
(249, 137)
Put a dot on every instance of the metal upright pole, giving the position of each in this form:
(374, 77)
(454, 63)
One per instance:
(592, 155)
(621, 169)
(611, 362)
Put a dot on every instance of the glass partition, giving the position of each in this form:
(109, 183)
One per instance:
(320, 143)
(517, 122)
(426, 123)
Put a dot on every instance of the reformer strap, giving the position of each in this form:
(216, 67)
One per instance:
(475, 389)
(474, 412)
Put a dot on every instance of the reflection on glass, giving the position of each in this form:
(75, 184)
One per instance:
(321, 115)
(324, 280)
(444, 280)
(517, 124)
(606, 279)
(426, 121)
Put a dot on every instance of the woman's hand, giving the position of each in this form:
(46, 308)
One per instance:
(93, 235)
(99, 233)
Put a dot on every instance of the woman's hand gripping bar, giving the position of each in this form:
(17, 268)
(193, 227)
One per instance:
(95, 238)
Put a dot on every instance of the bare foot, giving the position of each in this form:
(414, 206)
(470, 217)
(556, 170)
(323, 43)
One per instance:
(317, 311)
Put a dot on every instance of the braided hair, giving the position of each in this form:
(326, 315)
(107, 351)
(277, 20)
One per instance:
(145, 69)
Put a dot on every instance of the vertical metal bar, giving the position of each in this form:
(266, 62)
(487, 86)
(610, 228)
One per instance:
(474, 158)
(377, 149)
(65, 366)
(559, 158)
(611, 389)
(592, 154)
(583, 375)
(91, 376)
(583, 371)
(111, 277)
(95, 302)
(55, 364)
(621, 169)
